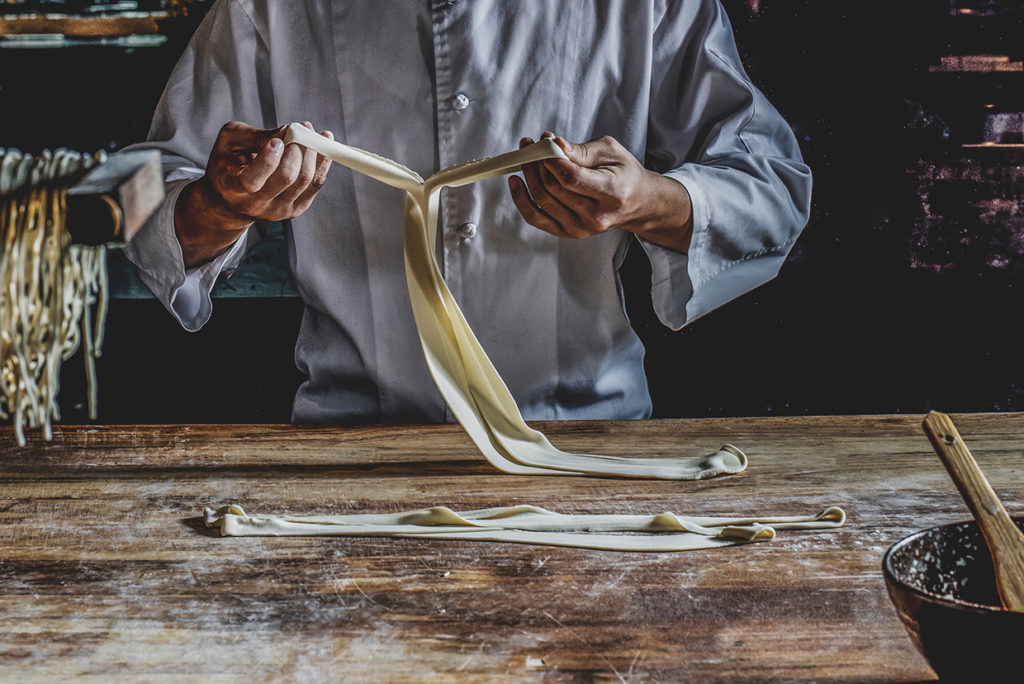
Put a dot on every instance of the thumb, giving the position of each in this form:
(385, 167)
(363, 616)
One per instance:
(241, 137)
(599, 153)
(581, 154)
(261, 136)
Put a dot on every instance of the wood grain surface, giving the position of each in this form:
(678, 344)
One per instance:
(106, 573)
(70, 25)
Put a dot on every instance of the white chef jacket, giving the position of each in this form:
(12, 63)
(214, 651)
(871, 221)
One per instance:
(431, 84)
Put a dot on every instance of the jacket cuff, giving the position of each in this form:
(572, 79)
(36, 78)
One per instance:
(684, 287)
(672, 279)
(157, 255)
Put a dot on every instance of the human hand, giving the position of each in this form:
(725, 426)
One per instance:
(599, 187)
(251, 176)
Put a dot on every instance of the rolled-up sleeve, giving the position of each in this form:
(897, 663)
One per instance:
(219, 78)
(713, 131)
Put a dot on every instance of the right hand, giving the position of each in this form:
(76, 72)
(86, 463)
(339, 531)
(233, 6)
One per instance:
(251, 176)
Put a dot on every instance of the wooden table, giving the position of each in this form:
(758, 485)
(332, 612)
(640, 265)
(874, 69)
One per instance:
(105, 570)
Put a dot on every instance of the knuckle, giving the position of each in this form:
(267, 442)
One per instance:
(595, 224)
(570, 177)
(276, 212)
(229, 135)
(289, 171)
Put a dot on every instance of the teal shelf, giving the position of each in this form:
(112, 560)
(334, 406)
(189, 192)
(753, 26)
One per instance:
(263, 274)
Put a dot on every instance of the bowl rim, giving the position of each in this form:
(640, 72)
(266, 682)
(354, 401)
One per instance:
(958, 604)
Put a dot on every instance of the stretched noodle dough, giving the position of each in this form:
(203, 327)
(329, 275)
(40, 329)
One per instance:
(466, 378)
(480, 401)
(529, 525)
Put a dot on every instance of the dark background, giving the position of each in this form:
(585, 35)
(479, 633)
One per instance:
(904, 293)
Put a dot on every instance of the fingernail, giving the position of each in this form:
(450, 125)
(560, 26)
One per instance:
(275, 144)
(328, 134)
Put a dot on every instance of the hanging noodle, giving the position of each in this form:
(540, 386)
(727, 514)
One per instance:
(49, 289)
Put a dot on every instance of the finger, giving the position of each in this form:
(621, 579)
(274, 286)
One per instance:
(531, 171)
(287, 171)
(534, 189)
(252, 177)
(323, 165)
(244, 141)
(577, 202)
(585, 170)
(532, 166)
(307, 172)
(591, 154)
(547, 202)
(530, 212)
(592, 183)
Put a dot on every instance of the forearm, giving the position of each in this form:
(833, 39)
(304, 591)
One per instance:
(204, 227)
(667, 217)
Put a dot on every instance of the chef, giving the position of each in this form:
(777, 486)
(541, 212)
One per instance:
(667, 142)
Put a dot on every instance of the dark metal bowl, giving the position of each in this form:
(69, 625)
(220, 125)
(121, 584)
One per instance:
(942, 583)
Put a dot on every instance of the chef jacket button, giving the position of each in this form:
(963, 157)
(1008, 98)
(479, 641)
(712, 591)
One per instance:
(459, 101)
(467, 230)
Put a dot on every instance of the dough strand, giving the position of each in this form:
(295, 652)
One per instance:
(465, 376)
(481, 402)
(529, 525)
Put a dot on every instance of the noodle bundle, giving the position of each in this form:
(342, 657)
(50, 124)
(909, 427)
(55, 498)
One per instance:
(50, 289)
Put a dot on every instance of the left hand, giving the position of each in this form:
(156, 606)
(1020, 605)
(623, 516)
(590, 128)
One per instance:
(602, 186)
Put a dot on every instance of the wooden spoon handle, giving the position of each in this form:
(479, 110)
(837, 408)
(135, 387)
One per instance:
(1004, 539)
